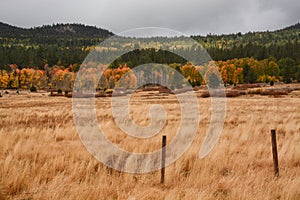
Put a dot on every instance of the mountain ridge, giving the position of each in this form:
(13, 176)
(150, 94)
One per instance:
(292, 27)
(82, 30)
(59, 29)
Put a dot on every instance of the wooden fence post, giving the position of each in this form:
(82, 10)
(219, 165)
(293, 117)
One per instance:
(163, 159)
(274, 151)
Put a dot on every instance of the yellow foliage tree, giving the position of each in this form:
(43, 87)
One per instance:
(4, 78)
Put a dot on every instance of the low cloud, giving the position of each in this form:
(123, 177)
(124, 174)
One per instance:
(189, 17)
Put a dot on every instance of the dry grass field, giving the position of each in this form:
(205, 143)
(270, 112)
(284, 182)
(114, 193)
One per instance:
(42, 157)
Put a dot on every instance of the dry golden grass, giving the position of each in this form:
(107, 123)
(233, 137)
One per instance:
(42, 156)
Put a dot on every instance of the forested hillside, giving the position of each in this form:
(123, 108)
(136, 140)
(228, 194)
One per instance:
(65, 44)
(55, 30)
(59, 44)
(260, 45)
(49, 56)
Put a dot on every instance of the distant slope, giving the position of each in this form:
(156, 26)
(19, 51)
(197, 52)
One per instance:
(282, 36)
(7, 30)
(73, 30)
(260, 45)
(56, 30)
(293, 27)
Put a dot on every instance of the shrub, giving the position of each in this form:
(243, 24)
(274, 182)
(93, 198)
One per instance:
(242, 92)
(59, 91)
(109, 91)
(241, 87)
(33, 89)
(205, 94)
(255, 91)
(233, 93)
(164, 90)
(274, 92)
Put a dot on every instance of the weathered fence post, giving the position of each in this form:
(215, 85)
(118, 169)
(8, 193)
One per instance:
(163, 159)
(274, 151)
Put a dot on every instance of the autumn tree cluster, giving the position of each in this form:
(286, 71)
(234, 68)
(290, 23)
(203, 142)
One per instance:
(235, 71)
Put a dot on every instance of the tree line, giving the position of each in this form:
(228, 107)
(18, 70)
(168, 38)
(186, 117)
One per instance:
(232, 72)
(66, 44)
(241, 58)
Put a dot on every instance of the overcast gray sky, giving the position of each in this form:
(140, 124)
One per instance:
(187, 16)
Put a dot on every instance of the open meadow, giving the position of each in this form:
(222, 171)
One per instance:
(42, 156)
